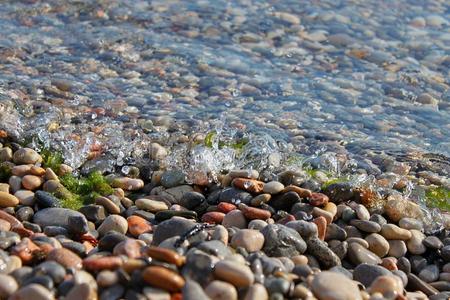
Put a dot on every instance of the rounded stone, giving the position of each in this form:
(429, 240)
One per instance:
(334, 286)
(8, 285)
(151, 205)
(378, 244)
(8, 200)
(113, 223)
(65, 258)
(393, 232)
(397, 248)
(366, 226)
(273, 187)
(176, 226)
(235, 218)
(280, 240)
(26, 156)
(32, 182)
(163, 278)
(33, 291)
(409, 223)
(250, 240)
(387, 285)
(367, 273)
(221, 290)
(415, 243)
(358, 255)
(25, 197)
(433, 242)
(430, 273)
(235, 273)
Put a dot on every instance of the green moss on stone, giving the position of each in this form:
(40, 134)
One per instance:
(5, 172)
(51, 159)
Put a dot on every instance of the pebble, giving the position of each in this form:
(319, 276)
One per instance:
(378, 244)
(358, 255)
(318, 199)
(397, 248)
(387, 285)
(151, 205)
(409, 223)
(415, 243)
(366, 226)
(221, 290)
(108, 204)
(361, 212)
(194, 291)
(33, 291)
(113, 223)
(429, 274)
(323, 253)
(55, 216)
(235, 218)
(8, 200)
(166, 255)
(46, 200)
(173, 178)
(65, 258)
(250, 240)
(249, 185)
(25, 156)
(280, 240)
(253, 213)
(334, 286)
(25, 197)
(393, 232)
(235, 273)
(305, 229)
(151, 293)
(273, 187)
(138, 226)
(128, 184)
(433, 242)
(175, 226)
(8, 286)
(32, 182)
(367, 273)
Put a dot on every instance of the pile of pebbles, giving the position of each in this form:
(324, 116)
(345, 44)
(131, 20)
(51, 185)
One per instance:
(240, 239)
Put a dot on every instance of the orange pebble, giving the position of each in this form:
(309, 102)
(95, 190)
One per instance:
(138, 225)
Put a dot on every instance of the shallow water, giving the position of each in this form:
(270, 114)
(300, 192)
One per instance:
(352, 76)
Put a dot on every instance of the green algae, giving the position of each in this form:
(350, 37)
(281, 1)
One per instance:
(438, 197)
(5, 172)
(51, 159)
(84, 190)
(333, 181)
(237, 144)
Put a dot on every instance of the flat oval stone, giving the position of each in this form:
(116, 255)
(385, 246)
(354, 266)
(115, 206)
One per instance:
(387, 285)
(250, 240)
(163, 278)
(151, 205)
(280, 240)
(175, 226)
(433, 242)
(193, 291)
(273, 187)
(25, 156)
(46, 200)
(393, 232)
(367, 273)
(249, 185)
(32, 182)
(166, 255)
(366, 226)
(397, 248)
(55, 216)
(221, 290)
(65, 258)
(8, 200)
(113, 223)
(429, 274)
(378, 244)
(25, 197)
(235, 218)
(257, 292)
(108, 204)
(334, 286)
(235, 273)
(358, 255)
(409, 223)
(8, 285)
(324, 255)
(128, 184)
(415, 243)
(33, 291)
(304, 228)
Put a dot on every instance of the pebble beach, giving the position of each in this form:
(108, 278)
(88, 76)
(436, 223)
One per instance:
(203, 150)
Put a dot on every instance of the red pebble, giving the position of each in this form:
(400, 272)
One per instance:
(318, 199)
(226, 207)
(321, 223)
(253, 213)
(102, 263)
(213, 217)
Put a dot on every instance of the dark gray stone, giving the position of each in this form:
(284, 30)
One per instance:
(367, 273)
(324, 255)
(280, 240)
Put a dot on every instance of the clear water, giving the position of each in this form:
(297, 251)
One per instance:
(345, 75)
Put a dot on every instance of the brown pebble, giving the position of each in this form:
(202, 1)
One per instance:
(4, 225)
(25, 250)
(32, 182)
(318, 199)
(303, 193)
(253, 213)
(165, 255)
(129, 247)
(8, 200)
(321, 223)
(213, 217)
(163, 278)
(38, 171)
(93, 263)
(226, 207)
(250, 185)
(65, 258)
(138, 226)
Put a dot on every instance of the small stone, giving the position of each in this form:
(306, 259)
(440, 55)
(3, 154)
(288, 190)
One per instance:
(429, 274)
(306, 229)
(387, 285)
(8, 200)
(334, 286)
(253, 213)
(361, 212)
(221, 290)
(415, 243)
(65, 257)
(8, 285)
(113, 223)
(318, 199)
(433, 242)
(25, 197)
(358, 255)
(324, 255)
(249, 185)
(250, 240)
(165, 255)
(32, 182)
(397, 248)
(366, 226)
(25, 156)
(93, 213)
(378, 244)
(163, 278)
(108, 204)
(397, 207)
(157, 152)
(367, 273)
(409, 223)
(151, 205)
(393, 232)
(193, 291)
(321, 224)
(191, 200)
(55, 216)
(235, 273)
(94, 263)
(280, 240)
(235, 218)
(128, 184)
(213, 217)
(151, 293)
(138, 226)
(273, 187)
(46, 200)
(33, 291)
(175, 226)
(130, 248)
